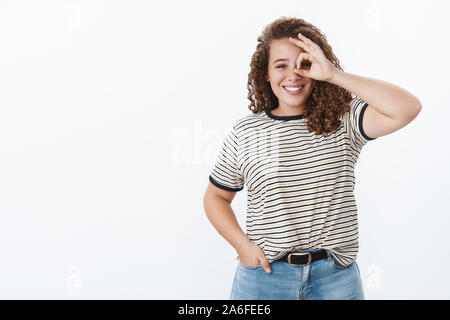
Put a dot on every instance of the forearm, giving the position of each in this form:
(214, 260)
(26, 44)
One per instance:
(222, 217)
(386, 98)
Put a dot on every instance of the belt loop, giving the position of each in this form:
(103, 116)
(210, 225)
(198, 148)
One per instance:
(328, 254)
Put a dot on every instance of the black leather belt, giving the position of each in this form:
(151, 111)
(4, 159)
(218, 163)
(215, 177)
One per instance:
(303, 258)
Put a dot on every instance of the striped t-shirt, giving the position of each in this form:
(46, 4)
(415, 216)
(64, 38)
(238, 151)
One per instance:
(300, 184)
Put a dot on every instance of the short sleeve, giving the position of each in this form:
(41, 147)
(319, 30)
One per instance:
(353, 121)
(226, 172)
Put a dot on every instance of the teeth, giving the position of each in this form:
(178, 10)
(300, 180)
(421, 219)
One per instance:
(294, 89)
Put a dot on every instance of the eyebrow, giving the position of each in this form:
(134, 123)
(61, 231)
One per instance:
(280, 60)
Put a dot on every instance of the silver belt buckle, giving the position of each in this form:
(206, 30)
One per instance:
(299, 254)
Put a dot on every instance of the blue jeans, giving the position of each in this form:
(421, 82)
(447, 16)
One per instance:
(323, 279)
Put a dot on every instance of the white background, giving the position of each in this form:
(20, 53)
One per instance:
(111, 115)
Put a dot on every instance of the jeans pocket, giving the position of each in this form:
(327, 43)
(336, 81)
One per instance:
(336, 265)
(248, 268)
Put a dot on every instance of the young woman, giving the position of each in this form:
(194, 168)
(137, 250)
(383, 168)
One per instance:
(296, 153)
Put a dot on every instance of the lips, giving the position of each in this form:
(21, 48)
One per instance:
(292, 93)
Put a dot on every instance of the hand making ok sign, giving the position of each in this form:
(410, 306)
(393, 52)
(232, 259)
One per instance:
(321, 68)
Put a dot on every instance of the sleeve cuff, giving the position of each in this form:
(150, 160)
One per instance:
(214, 182)
(360, 122)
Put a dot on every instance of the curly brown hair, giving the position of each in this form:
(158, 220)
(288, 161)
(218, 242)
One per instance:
(327, 101)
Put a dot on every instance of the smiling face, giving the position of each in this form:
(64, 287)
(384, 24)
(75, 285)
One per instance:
(281, 75)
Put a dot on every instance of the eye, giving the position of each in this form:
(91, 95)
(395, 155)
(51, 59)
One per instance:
(280, 65)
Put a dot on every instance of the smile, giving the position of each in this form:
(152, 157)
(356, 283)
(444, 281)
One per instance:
(293, 90)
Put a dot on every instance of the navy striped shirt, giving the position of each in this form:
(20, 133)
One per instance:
(300, 184)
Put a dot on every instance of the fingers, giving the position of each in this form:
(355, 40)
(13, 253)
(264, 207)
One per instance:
(304, 56)
(307, 40)
(312, 44)
(300, 43)
(265, 263)
(305, 43)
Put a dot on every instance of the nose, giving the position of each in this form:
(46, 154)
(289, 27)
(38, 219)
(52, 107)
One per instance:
(292, 75)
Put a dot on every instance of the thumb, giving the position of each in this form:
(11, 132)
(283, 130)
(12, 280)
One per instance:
(265, 263)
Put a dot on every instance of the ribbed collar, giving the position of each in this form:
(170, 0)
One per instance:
(270, 115)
